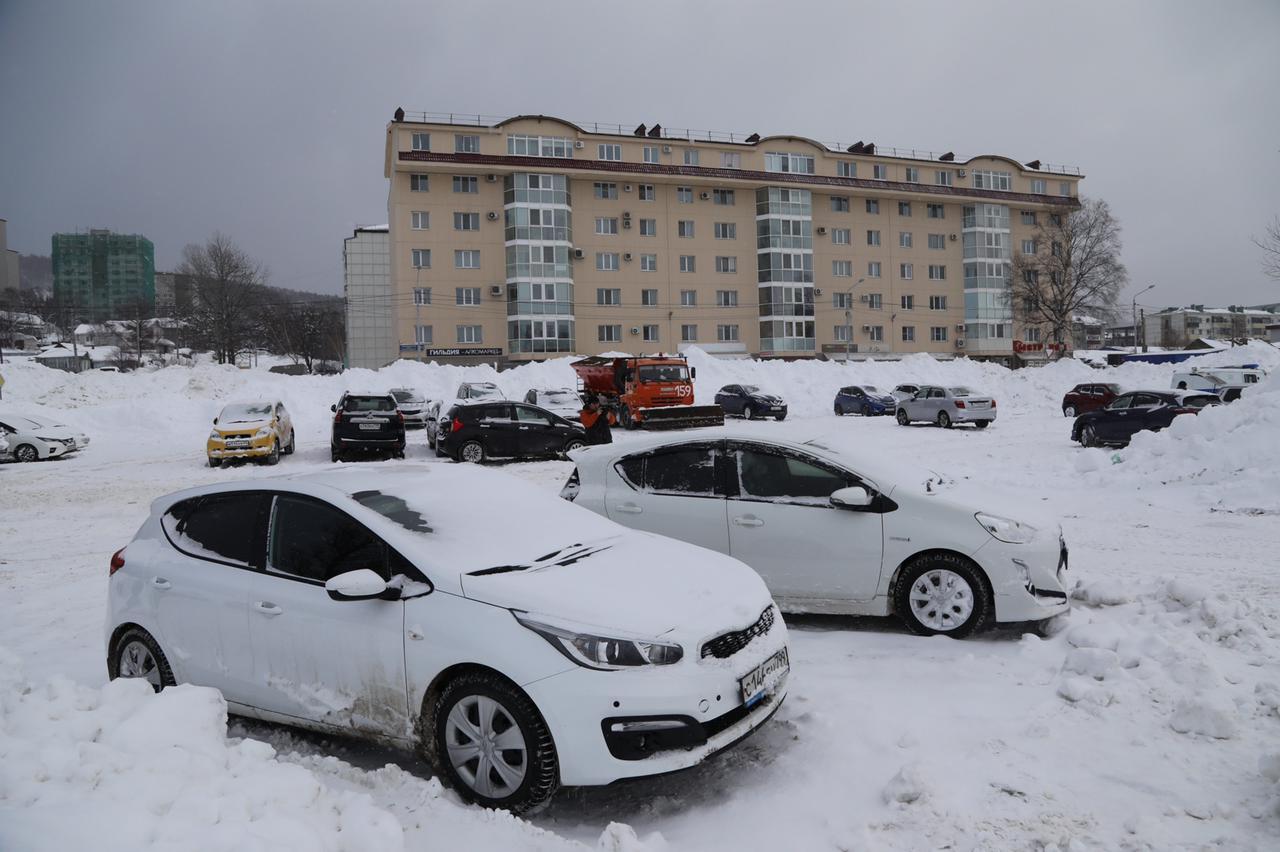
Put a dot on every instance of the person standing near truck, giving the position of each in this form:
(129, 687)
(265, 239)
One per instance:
(596, 421)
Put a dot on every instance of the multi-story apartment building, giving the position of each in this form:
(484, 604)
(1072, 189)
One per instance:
(1176, 327)
(9, 278)
(102, 276)
(366, 268)
(533, 236)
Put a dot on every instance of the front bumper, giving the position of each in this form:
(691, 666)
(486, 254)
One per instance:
(415, 418)
(1028, 580)
(257, 448)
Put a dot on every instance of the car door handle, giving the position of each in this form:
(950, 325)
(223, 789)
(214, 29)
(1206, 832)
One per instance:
(629, 508)
(748, 521)
(484, 425)
(267, 608)
(524, 428)
(161, 583)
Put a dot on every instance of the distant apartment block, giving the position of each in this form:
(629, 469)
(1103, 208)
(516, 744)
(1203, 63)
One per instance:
(371, 340)
(102, 276)
(1176, 327)
(9, 277)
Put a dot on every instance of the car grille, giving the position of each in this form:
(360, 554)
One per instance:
(727, 644)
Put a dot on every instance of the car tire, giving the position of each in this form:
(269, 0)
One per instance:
(137, 654)
(486, 703)
(26, 453)
(471, 452)
(215, 462)
(334, 455)
(1068, 411)
(749, 413)
(903, 419)
(288, 451)
(942, 594)
(780, 417)
(624, 418)
(573, 444)
(1088, 436)
(839, 410)
(274, 457)
(982, 424)
(944, 420)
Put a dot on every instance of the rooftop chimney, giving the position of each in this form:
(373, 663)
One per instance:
(1034, 164)
(948, 157)
(639, 130)
(753, 138)
(399, 114)
(655, 131)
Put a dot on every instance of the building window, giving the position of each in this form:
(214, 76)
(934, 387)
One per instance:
(873, 238)
(727, 333)
(648, 263)
(730, 160)
(609, 152)
(688, 298)
(470, 334)
(609, 333)
(419, 183)
(782, 162)
(842, 300)
(652, 154)
(466, 259)
(422, 141)
(873, 204)
(726, 298)
(839, 204)
(422, 295)
(937, 303)
(842, 334)
(649, 298)
(688, 263)
(466, 221)
(1028, 217)
(908, 333)
(545, 292)
(421, 220)
(1031, 335)
(606, 226)
(463, 144)
(942, 177)
(648, 227)
(1055, 220)
(873, 269)
(608, 296)
(938, 241)
(466, 295)
(723, 197)
(684, 194)
(846, 168)
(461, 183)
(874, 301)
(938, 333)
(908, 303)
(842, 268)
(605, 190)
(905, 271)
(540, 146)
(726, 230)
(937, 272)
(840, 236)
(684, 229)
(937, 211)
(1037, 186)
(1028, 246)
(422, 334)
(904, 239)
(1064, 188)
(992, 180)
(646, 192)
(727, 265)
(1055, 248)
(904, 208)
(875, 333)
(688, 333)
(651, 333)
(913, 174)
(422, 258)
(607, 261)
(880, 172)
(690, 156)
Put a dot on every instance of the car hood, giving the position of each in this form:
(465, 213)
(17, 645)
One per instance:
(968, 498)
(768, 398)
(633, 583)
(242, 426)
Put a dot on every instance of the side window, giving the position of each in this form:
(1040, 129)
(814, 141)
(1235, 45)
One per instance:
(684, 471)
(530, 415)
(1146, 400)
(315, 541)
(494, 414)
(776, 477)
(1121, 403)
(937, 393)
(219, 527)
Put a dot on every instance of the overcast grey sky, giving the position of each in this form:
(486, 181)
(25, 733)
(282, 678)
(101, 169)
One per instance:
(265, 120)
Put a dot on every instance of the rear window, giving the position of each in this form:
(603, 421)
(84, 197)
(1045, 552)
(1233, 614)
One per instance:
(368, 403)
(960, 391)
(688, 471)
(1200, 401)
(219, 527)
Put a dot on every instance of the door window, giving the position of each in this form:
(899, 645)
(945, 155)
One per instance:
(1147, 400)
(529, 415)
(1121, 403)
(219, 527)
(937, 393)
(494, 414)
(317, 542)
(685, 471)
(776, 477)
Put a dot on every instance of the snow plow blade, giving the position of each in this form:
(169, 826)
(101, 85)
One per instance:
(681, 417)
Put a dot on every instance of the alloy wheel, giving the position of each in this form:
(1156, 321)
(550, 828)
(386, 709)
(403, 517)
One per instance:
(941, 600)
(1069, 411)
(472, 452)
(26, 453)
(1088, 437)
(136, 660)
(486, 747)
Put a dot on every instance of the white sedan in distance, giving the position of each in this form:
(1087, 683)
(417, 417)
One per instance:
(833, 531)
(33, 437)
(567, 650)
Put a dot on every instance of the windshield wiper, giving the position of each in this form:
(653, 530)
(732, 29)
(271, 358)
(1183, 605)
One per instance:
(567, 556)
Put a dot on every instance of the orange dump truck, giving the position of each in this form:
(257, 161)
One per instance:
(653, 392)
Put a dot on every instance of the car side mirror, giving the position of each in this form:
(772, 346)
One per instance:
(693, 372)
(333, 408)
(853, 497)
(215, 421)
(359, 585)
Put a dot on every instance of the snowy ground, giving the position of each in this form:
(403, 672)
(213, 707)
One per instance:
(1149, 718)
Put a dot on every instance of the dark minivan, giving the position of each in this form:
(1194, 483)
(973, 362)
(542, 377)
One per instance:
(480, 430)
(366, 423)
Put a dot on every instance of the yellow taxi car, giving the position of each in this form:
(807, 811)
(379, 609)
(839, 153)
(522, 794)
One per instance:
(261, 430)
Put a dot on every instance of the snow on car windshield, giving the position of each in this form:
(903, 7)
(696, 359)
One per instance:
(406, 396)
(871, 389)
(960, 391)
(394, 509)
(751, 389)
(560, 397)
(245, 412)
(482, 391)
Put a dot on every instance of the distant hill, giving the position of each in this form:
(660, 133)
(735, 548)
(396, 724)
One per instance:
(35, 272)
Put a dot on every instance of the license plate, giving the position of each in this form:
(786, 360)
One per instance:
(757, 682)
(237, 445)
(370, 427)
(777, 408)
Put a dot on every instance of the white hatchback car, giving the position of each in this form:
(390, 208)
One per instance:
(33, 437)
(567, 650)
(832, 531)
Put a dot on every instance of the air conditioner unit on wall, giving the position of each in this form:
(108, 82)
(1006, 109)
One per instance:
(864, 297)
(960, 172)
(579, 254)
(705, 196)
(626, 256)
(626, 187)
(953, 238)
(866, 328)
(960, 327)
(959, 344)
(821, 231)
(635, 329)
(579, 144)
(817, 291)
(492, 216)
(666, 149)
(626, 223)
(490, 178)
(496, 289)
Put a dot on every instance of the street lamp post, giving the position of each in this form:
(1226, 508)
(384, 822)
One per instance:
(848, 319)
(1134, 307)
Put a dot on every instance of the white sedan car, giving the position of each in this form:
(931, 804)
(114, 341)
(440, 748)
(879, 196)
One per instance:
(33, 437)
(832, 531)
(567, 650)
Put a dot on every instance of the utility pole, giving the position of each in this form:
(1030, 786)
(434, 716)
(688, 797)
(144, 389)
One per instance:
(848, 319)
(1134, 307)
(1143, 315)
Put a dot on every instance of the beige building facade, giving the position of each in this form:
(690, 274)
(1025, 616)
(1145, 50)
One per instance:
(532, 237)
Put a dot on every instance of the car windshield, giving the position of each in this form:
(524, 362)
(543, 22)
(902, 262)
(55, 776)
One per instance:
(394, 509)
(245, 412)
(558, 397)
(406, 396)
(482, 391)
(1200, 401)
(1113, 388)
(664, 373)
(368, 403)
(750, 389)
(870, 389)
(960, 391)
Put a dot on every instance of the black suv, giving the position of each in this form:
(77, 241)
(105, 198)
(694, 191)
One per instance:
(366, 423)
(476, 431)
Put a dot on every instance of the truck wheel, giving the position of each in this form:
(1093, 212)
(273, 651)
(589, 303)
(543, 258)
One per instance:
(624, 417)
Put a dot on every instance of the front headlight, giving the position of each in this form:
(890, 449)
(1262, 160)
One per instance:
(215, 436)
(264, 432)
(1006, 530)
(603, 653)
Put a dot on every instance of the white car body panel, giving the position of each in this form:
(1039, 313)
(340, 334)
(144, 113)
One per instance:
(49, 439)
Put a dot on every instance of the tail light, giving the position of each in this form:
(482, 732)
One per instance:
(959, 403)
(337, 418)
(1185, 410)
(117, 562)
(456, 425)
(993, 403)
(400, 416)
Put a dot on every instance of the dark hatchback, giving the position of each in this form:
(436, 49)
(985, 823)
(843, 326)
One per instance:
(750, 402)
(863, 399)
(1137, 411)
(481, 430)
(366, 424)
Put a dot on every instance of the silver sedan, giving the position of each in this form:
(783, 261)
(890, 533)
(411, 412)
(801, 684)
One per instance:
(947, 406)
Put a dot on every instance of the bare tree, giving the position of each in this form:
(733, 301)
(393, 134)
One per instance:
(306, 330)
(228, 285)
(1075, 269)
(1270, 245)
(137, 331)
